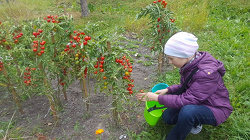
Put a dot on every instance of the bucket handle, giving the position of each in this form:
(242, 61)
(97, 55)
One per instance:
(154, 108)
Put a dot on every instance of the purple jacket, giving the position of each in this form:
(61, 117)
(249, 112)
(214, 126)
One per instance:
(205, 88)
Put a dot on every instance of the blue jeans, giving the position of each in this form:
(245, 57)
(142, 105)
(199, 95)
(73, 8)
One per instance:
(185, 118)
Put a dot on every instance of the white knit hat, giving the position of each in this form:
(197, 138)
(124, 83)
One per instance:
(181, 44)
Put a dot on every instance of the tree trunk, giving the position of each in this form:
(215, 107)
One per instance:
(84, 8)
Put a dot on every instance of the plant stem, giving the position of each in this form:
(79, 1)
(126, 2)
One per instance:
(84, 91)
(160, 62)
(115, 112)
(13, 91)
(65, 93)
(50, 98)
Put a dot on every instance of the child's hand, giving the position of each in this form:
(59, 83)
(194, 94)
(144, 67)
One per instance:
(162, 91)
(150, 96)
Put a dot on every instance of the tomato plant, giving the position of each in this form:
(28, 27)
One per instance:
(46, 50)
(162, 26)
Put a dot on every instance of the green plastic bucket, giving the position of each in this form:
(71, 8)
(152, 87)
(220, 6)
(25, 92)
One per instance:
(153, 116)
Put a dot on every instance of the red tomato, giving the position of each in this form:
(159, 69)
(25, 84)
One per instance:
(96, 66)
(141, 91)
(43, 42)
(129, 70)
(101, 66)
(101, 70)
(34, 33)
(40, 30)
(129, 88)
(75, 38)
(102, 58)
(95, 72)
(85, 43)
(102, 62)
(159, 19)
(104, 77)
(35, 50)
(130, 92)
(42, 47)
(86, 38)
(35, 42)
(73, 45)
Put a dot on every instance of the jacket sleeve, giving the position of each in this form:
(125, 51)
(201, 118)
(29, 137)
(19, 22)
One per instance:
(173, 88)
(202, 87)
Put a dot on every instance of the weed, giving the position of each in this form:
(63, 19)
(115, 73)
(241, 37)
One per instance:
(147, 63)
(139, 61)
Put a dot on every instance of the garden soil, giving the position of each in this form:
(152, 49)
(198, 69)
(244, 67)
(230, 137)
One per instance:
(75, 122)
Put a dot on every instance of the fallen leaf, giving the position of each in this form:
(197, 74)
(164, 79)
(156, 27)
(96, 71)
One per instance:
(49, 124)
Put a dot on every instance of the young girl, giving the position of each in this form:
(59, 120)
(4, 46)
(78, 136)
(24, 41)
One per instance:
(204, 100)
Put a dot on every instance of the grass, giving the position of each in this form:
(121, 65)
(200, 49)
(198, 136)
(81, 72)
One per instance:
(222, 27)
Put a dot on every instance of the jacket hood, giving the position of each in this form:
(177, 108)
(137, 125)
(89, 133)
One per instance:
(207, 61)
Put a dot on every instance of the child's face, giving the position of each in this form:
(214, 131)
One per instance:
(177, 61)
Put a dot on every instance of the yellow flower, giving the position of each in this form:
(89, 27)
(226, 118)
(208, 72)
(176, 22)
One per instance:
(99, 131)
